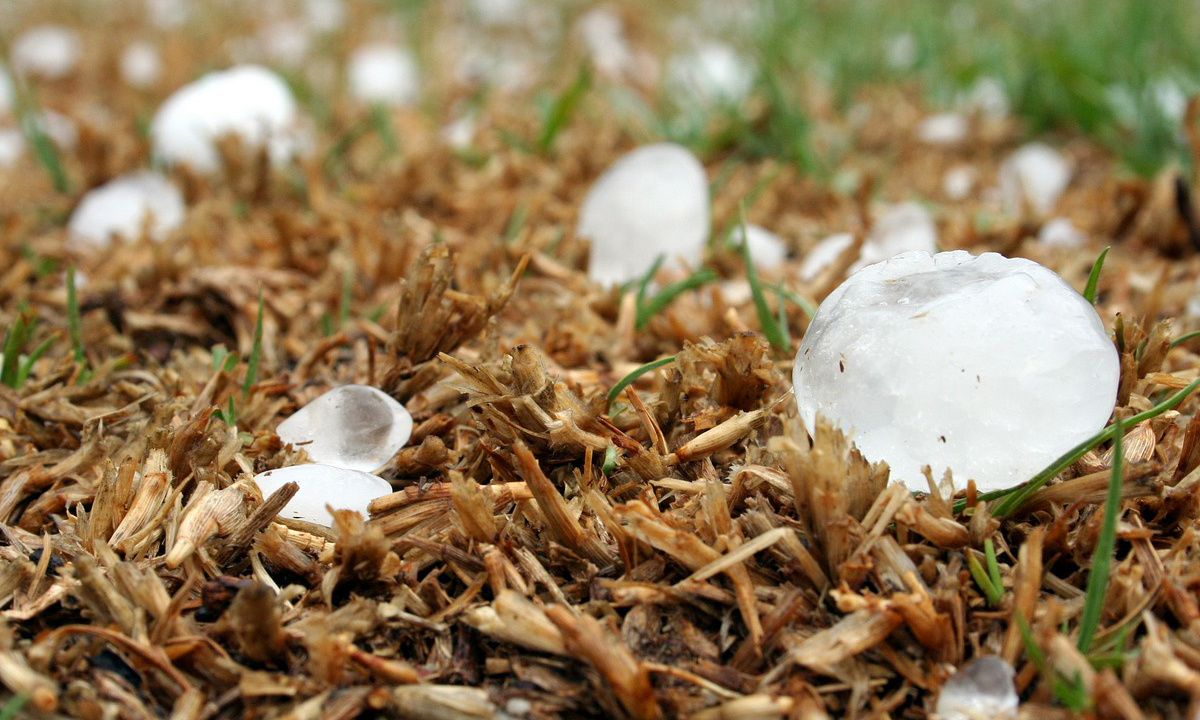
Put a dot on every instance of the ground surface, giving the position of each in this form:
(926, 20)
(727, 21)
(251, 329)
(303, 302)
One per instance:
(683, 550)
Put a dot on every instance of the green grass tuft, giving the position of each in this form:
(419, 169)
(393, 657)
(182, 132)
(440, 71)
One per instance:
(775, 330)
(255, 350)
(624, 382)
(560, 111)
(1089, 290)
(1097, 585)
(653, 306)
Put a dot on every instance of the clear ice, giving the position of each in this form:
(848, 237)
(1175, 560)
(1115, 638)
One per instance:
(981, 690)
(357, 427)
(989, 366)
(340, 488)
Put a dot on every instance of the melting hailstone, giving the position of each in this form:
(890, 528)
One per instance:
(354, 426)
(652, 201)
(340, 488)
(989, 366)
(980, 690)
(124, 207)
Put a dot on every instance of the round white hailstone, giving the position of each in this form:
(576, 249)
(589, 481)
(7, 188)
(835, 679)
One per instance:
(767, 250)
(824, 254)
(47, 51)
(167, 14)
(353, 426)
(124, 207)
(652, 201)
(286, 42)
(321, 485)
(460, 133)
(384, 74)
(958, 181)
(942, 129)
(11, 147)
(247, 101)
(711, 73)
(325, 15)
(1035, 174)
(984, 688)
(1060, 233)
(141, 64)
(988, 366)
(603, 34)
(902, 227)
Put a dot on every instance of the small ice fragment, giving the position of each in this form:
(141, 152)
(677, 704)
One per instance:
(381, 73)
(767, 250)
(286, 42)
(989, 366)
(713, 73)
(50, 52)
(603, 34)
(11, 147)
(942, 129)
(353, 426)
(902, 227)
(988, 97)
(981, 690)
(901, 51)
(341, 488)
(652, 201)
(1035, 174)
(460, 133)
(123, 206)
(324, 15)
(958, 181)
(1060, 232)
(141, 64)
(824, 254)
(247, 101)
(59, 128)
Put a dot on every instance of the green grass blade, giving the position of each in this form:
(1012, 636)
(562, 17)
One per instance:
(255, 351)
(610, 461)
(993, 567)
(45, 151)
(347, 295)
(1089, 290)
(27, 364)
(74, 326)
(13, 707)
(562, 108)
(1184, 338)
(624, 382)
(990, 591)
(805, 305)
(1097, 585)
(643, 283)
(515, 223)
(776, 334)
(382, 123)
(664, 297)
(14, 340)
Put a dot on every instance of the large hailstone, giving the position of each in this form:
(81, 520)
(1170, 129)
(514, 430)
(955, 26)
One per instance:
(1035, 174)
(989, 366)
(123, 207)
(384, 74)
(983, 688)
(652, 201)
(321, 485)
(353, 426)
(248, 101)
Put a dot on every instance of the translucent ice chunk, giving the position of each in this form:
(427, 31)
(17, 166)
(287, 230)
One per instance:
(124, 206)
(1060, 233)
(902, 227)
(824, 254)
(353, 426)
(980, 690)
(384, 74)
(652, 201)
(767, 250)
(989, 366)
(248, 101)
(1035, 174)
(341, 488)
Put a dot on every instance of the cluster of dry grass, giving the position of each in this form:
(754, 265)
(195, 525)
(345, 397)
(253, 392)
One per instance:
(686, 551)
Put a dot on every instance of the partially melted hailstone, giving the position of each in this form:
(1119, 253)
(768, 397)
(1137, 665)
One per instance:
(321, 485)
(989, 366)
(981, 690)
(353, 426)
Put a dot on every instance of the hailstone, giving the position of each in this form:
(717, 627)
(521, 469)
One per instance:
(1036, 174)
(353, 426)
(124, 206)
(384, 74)
(991, 367)
(980, 690)
(321, 485)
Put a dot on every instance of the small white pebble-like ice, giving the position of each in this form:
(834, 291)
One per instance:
(652, 201)
(902, 227)
(989, 366)
(50, 52)
(986, 96)
(321, 485)
(8, 92)
(324, 15)
(981, 690)
(247, 101)
(603, 35)
(1035, 175)
(767, 250)
(959, 181)
(353, 426)
(1060, 232)
(712, 73)
(381, 73)
(12, 145)
(942, 129)
(141, 64)
(824, 254)
(124, 207)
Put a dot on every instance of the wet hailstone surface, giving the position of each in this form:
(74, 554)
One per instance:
(989, 366)
(340, 488)
(354, 426)
(981, 690)
(652, 201)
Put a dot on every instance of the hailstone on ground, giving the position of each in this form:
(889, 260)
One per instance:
(321, 485)
(141, 64)
(942, 129)
(124, 207)
(652, 201)
(46, 51)
(989, 366)
(767, 250)
(712, 73)
(353, 426)
(824, 254)
(1036, 174)
(248, 101)
(900, 228)
(384, 74)
(1060, 233)
(980, 690)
